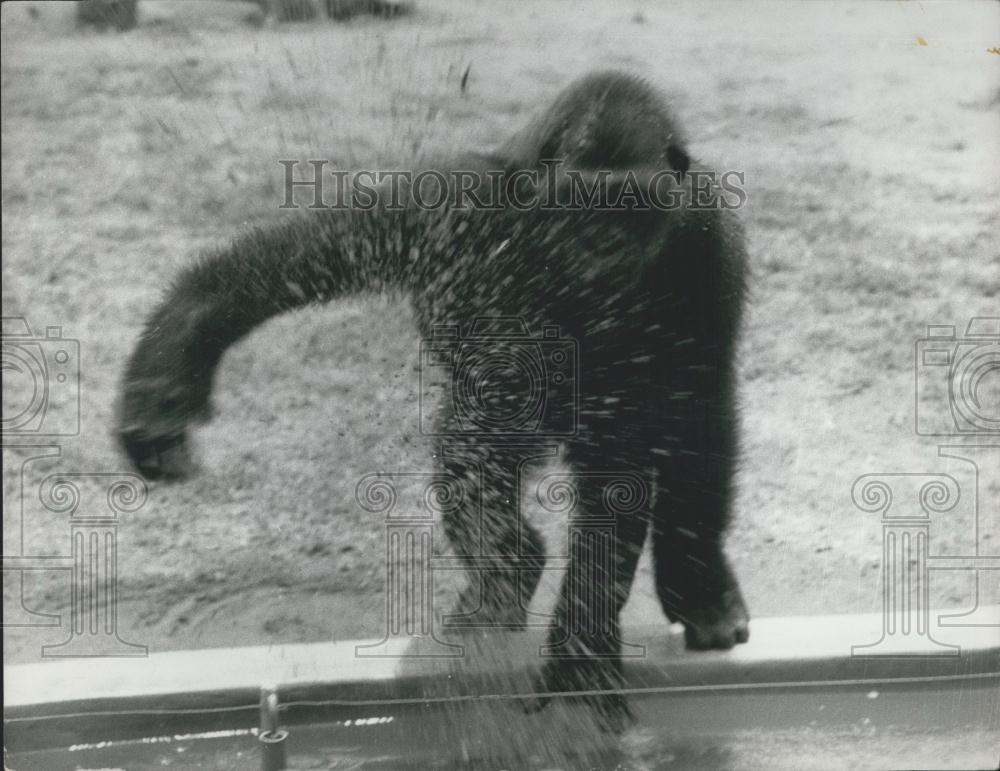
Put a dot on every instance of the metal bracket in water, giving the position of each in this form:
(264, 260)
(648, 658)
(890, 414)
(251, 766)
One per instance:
(271, 737)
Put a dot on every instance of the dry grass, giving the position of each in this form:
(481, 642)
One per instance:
(871, 165)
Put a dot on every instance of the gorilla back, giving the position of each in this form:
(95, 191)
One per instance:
(651, 297)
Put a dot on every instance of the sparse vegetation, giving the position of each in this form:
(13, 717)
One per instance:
(103, 14)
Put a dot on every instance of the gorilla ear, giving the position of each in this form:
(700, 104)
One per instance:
(678, 159)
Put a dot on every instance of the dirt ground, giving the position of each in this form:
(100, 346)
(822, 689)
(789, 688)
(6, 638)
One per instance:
(870, 139)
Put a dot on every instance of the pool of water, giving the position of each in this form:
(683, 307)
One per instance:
(773, 704)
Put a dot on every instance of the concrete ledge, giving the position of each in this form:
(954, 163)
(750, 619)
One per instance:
(775, 644)
(71, 701)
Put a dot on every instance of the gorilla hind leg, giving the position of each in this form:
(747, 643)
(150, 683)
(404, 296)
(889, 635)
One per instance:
(608, 529)
(505, 555)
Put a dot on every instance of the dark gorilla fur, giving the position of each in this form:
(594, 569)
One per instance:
(602, 121)
(653, 298)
